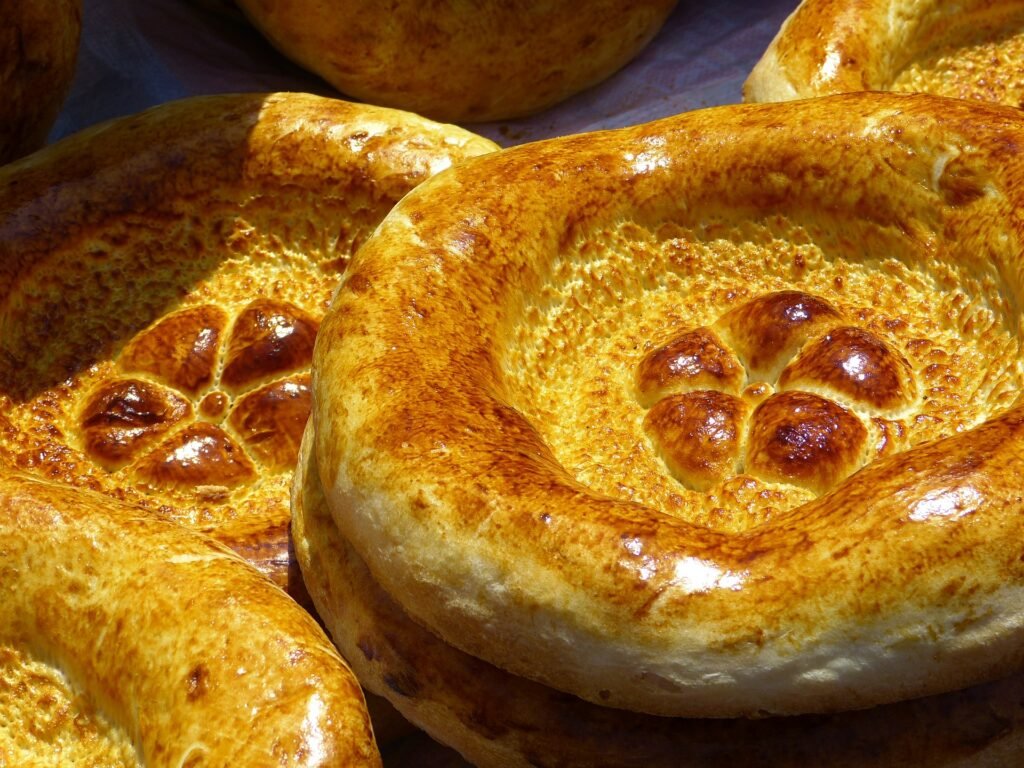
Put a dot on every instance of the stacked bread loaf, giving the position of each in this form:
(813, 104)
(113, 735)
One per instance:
(687, 431)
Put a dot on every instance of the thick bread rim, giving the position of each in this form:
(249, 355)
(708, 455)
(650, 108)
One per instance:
(838, 46)
(494, 718)
(464, 515)
(172, 636)
(187, 147)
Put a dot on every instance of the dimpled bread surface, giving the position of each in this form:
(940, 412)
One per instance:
(163, 280)
(713, 416)
(43, 715)
(129, 640)
(967, 50)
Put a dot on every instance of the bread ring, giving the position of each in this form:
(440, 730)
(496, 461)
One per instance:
(481, 434)
(453, 696)
(465, 62)
(972, 49)
(163, 279)
(38, 51)
(127, 639)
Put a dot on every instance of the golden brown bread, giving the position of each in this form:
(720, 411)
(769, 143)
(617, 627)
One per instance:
(481, 439)
(972, 49)
(162, 278)
(466, 62)
(497, 719)
(129, 640)
(38, 51)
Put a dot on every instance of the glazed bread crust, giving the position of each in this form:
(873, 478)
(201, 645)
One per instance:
(480, 429)
(183, 646)
(496, 719)
(460, 61)
(162, 278)
(972, 49)
(38, 51)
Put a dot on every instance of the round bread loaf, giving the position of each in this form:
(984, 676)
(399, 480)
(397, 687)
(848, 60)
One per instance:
(38, 52)
(972, 49)
(497, 719)
(163, 278)
(128, 640)
(467, 62)
(712, 416)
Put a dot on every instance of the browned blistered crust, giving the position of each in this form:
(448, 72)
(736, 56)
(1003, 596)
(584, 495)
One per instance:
(38, 52)
(465, 62)
(481, 440)
(497, 719)
(188, 654)
(972, 49)
(162, 278)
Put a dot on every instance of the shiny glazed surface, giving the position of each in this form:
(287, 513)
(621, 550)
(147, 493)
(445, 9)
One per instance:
(485, 432)
(169, 648)
(966, 50)
(460, 61)
(162, 279)
(497, 719)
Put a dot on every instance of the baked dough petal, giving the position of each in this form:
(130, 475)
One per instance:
(482, 443)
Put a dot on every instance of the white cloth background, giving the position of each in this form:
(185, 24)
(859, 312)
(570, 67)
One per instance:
(136, 54)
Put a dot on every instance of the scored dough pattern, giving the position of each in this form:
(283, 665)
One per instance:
(214, 398)
(773, 389)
